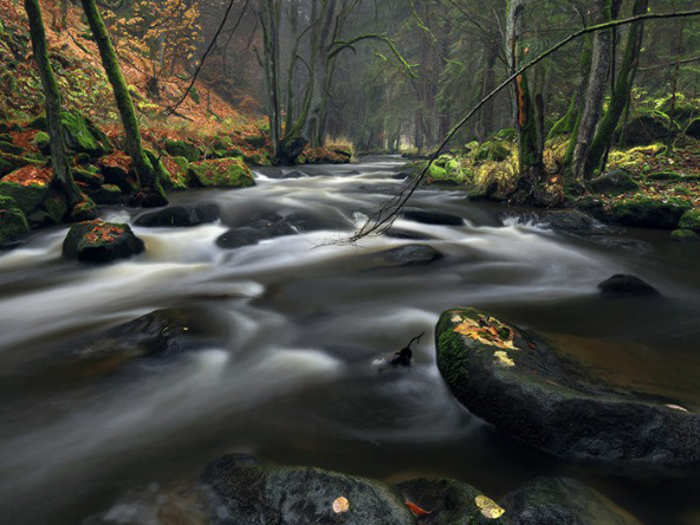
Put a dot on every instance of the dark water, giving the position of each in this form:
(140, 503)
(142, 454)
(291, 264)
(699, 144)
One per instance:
(305, 320)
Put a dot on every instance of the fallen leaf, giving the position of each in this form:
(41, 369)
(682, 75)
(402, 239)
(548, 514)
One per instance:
(488, 507)
(416, 510)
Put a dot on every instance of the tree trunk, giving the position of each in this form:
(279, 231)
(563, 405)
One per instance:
(593, 98)
(59, 158)
(621, 94)
(152, 193)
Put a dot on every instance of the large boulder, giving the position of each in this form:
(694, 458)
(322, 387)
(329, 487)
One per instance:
(516, 381)
(647, 212)
(179, 148)
(13, 222)
(27, 186)
(558, 501)
(226, 173)
(690, 220)
(82, 136)
(646, 129)
(450, 502)
(99, 242)
(615, 181)
(240, 490)
(180, 216)
(116, 169)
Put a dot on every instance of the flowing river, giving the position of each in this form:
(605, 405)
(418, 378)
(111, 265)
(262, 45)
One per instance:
(303, 321)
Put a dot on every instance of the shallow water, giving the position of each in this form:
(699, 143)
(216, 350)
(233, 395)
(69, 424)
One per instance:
(305, 319)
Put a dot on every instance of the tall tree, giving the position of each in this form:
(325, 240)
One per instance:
(59, 158)
(152, 192)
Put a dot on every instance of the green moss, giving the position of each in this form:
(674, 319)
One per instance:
(9, 147)
(179, 148)
(647, 212)
(691, 220)
(88, 176)
(83, 211)
(492, 151)
(42, 141)
(27, 197)
(231, 173)
(13, 223)
(673, 176)
(684, 235)
(105, 194)
(82, 136)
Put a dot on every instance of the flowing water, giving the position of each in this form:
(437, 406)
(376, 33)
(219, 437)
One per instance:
(305, 320)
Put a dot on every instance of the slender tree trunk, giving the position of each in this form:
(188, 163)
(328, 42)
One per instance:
(152, 192)
(621, 94)
(593, 98)
(59, 158)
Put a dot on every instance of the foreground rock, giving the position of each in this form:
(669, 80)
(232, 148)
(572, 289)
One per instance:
(626, 286)
(100, 242)
(514, 380)
(557, 501)
(451, 502)
(241, 490)
(645, 212)
(180, 216)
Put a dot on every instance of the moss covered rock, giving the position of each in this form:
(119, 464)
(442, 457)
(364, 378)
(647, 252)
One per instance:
(647, 212)
(13, 222)
(615, 181)
(88, 176)
(51, 211)
(515, 380)
(10, 162)
(228, 173)
(9, 147)
(99, 242)
(116, 169)
(558, 501)
(82, 136)
(647, 129)
(28, 186)
(177, 169)
(492, 150)
(105, 194)
(180, 148)
(691, 220)
(239, 489)
(683, 235)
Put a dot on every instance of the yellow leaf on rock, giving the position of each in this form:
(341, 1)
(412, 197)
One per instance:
(503, 358)
(341, 505)
(488, 507)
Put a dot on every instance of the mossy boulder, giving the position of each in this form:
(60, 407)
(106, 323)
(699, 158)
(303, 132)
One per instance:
(88, 176)
(227, 173)
(9, 147)
(10, 162)
(515, 380)
(180, 148)
(13, 222)
(647, 129)
(451, 502)
(558, 501)
(181, 216)
(647, 212)
(116, 169)
(241, 490)
(492, 150)
(51, 211)
(108, 194)
(85, 210)
(615, 181)
(28, 186)
(691, 220)
(42, 141)
(82, 136)
(256, 141)
(683, 235)
(100, 242)
(177, 169)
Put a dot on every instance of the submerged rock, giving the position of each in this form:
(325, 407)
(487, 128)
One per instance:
(180, 216)
(516, 381)
(558, 501)
(622, 285)
(450, 502)
(99, 242)
(408, 255)
(240, 490)
(433, 217)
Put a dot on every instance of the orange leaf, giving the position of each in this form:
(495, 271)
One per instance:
(416, 510)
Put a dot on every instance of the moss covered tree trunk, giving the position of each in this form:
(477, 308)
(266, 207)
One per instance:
(59, 158)
(530, 164)
(152, 192)
(621, 93)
